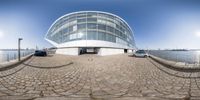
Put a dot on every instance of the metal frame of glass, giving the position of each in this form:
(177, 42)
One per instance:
(91, 25)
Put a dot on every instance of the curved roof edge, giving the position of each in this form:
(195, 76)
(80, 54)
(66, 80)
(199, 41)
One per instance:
(89, 11)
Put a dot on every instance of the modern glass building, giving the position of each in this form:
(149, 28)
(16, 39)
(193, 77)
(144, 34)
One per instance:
(91, 32)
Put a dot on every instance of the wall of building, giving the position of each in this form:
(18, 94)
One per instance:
(110, 51)
(68, 51)
(130, 51)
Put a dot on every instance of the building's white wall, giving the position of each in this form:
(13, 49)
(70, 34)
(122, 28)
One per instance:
(110, 51)
(68, 51)
(92, 43)
(130, 51)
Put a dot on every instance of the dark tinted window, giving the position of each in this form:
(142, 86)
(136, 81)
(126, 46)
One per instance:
(140, 51)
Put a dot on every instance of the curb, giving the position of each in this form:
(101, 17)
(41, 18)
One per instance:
(14, 63)
(175, 65)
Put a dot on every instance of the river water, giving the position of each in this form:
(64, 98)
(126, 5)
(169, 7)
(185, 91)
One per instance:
(8, 55)
(190, 57)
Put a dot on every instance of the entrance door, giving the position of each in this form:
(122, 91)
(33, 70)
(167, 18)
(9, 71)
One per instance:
(125, 50)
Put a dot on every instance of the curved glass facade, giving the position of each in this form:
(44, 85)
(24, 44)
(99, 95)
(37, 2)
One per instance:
(91, 25)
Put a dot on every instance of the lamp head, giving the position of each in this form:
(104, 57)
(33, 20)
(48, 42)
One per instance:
(20, 38)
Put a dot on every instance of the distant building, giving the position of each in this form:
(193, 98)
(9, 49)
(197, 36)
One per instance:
(91, 32)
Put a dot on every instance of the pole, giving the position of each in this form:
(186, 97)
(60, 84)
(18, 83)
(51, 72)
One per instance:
(19, 55)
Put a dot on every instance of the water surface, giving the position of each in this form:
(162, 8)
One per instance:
(190, 57)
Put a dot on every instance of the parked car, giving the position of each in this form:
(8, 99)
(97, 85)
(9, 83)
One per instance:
(40, 53)
(141, 53)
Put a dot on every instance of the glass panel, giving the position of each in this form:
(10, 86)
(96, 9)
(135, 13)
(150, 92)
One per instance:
(72, 22)
(102, 27)
(74, 27)
(91, 35)
(81, 26)
(81, 35)
(110, 29)
(101, 36)
(111, 23)
(81, 16)
(65, 30)
(91, 14)
(81, 20)
(70, 29)
(66, 38)
(103, 15)
(91, 26)
(101, 21)
(108, 37)
(91, 19)
(72, 36)
(117, 32)
(72, 17)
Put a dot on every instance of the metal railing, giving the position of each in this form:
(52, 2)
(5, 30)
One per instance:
(7, 57)
(187, 59)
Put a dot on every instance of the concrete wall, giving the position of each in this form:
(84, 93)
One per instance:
(130, 51)
(110, 51)
(101, 51)
(68, 51)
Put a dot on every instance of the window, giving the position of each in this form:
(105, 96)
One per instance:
(70, 29)
(91, 14)
(120, 41)
(103, 15)
(72, 36)
(81, 35)
(111, 23)
(108, 37)
(66, 38)
(110, 29)
(101, 21)
(65, 30)
(91, 19)
(117, 32)
(81, 15)
(81, 26)
(73, 17)
(91, 26)
(72, 22)
(74, 27)
(81, 20)
(111, 38)
(117, 26)
(102, 27)
(91, 35)
(101, 36)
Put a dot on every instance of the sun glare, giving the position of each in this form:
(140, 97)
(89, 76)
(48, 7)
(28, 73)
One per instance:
(1, 34)
(198, 33)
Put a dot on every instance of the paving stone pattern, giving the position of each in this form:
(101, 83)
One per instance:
(91, 77)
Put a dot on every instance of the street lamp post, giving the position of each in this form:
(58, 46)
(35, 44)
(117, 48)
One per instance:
(19, 56)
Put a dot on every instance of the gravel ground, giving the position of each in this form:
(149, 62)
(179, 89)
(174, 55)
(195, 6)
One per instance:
(92, 77)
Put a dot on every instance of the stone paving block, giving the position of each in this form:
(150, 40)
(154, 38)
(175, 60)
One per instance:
(103, 78)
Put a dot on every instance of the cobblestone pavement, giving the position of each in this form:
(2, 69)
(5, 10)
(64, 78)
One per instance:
(91, 77)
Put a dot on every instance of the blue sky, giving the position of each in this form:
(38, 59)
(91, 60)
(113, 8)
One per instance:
(157, 24)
